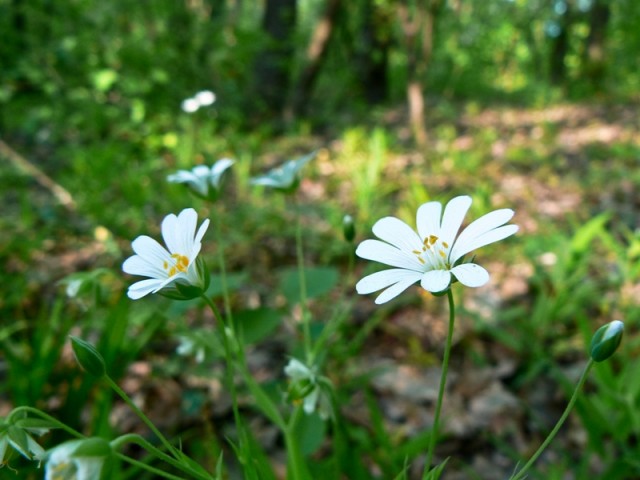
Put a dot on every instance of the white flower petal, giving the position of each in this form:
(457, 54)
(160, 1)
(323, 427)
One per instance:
(201, 231)
(394, 290)
(201, 171)
(136, 265)
(428, 219)
(310, 401)
(490, 237)
(394, 231)
(384, 253)
(186, 227)
(169, 229)
(484, 224)
(181, 176)
(436, 280)
(150, 250)
(453, 216)
(470, 274)
(143, 288)
(266, 182)
(379, 280)
(178, 276)
(218, 169)
(297, 370)
(88, 467)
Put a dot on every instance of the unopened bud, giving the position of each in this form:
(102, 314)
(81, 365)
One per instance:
(88, 357)
(606, 340)
(348, 228)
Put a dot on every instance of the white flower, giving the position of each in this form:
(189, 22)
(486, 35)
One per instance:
(205, 98)
(77, 460)
(432, 255)
(201, 178)
(162, 266)
(190, 105)
(305, 385)
(284, 177)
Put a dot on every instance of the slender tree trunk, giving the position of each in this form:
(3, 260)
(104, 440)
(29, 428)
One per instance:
(316, 54)
(419, 30)
(273, 65)
(372, 52)
(560, 48)
(594, 59)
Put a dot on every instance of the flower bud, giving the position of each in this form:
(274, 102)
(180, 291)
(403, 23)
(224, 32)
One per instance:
(348, 228)
(606, 340)
(88, 357)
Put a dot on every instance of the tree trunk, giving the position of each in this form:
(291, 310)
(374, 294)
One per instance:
(594, 59)
(560, 48)
(418, 30)
(372, 51)
(316, 54)
(273, 65)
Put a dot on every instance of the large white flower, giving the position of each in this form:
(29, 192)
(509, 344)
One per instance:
(432, 255)
(203, 178)
(164, 266)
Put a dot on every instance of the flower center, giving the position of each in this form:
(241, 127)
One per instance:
(180, 264)
(434, 253)
(62, 470)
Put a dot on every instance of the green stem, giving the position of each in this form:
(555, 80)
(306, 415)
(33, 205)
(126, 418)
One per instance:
(443, 382)
(140, 414)
(270, 410)
(138, 440)
(149, 468)
(41, 414)
(296, 464)
(222, 267)
(306, 329)
(229, 355)
(562, 419)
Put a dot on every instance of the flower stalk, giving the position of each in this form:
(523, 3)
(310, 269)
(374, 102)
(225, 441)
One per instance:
(443, 381)
(521, 474)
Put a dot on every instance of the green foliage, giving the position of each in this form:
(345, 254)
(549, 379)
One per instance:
(90, 94)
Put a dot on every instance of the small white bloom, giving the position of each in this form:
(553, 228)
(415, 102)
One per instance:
(205, 98)
(305, 386)
(431, 255)
(190, 105)
(201, 178)
(68, 462)
(188, 347)
(162, 266)
(284, 177)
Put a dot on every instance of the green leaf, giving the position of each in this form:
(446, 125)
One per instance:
(256, 325)
(319, 281)
(310, 433)
(436, 471)
(103, 80)
(35, 424)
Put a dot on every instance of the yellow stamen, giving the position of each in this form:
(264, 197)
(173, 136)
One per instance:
(417, 252)
(421, 260)
(442, 254)
(433, 239)
(181, 265)
(445, 244)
